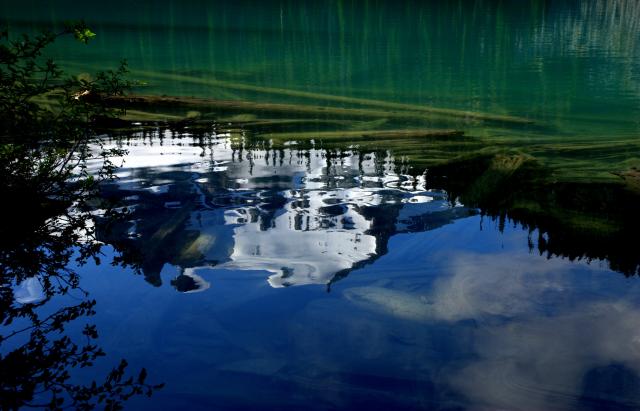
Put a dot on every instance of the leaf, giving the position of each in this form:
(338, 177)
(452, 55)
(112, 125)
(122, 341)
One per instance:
(142, 376)
(80, 31)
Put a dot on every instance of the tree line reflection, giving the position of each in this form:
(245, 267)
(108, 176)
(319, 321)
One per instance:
(307, 215)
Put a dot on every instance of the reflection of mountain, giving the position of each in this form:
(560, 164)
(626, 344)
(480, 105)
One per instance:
(306, 217)
(312, 216)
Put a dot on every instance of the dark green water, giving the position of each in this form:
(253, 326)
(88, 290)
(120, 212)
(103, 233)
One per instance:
(574, 67)
(301, 277)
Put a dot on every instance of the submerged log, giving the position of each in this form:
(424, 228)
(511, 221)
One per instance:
(631, 178)
(364, 134)
(156, 102)
(474, 115)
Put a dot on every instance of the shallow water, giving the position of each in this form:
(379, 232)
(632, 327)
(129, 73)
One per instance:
(322, 275)
(573, 67)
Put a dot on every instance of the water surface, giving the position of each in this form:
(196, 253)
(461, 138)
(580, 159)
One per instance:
(302, 273)
(306, 278)
(572, 66)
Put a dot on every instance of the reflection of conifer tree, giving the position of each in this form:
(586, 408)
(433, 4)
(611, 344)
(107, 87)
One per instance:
(590, 221)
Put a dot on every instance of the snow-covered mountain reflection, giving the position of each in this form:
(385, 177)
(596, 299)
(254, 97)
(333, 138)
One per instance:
(303, 216)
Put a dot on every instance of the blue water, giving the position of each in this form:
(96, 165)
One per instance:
(426, 305)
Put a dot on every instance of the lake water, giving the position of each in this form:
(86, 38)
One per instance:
(257, 277)
(269, 279)
(573, 66)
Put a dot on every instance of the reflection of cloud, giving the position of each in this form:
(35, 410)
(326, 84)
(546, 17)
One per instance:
(541, 361)
(480, 286)
(534, 340)
(498, 285)
(29, 291)
(539, 356)
(392, 302)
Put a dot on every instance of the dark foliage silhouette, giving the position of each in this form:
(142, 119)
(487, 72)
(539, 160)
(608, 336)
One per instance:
(47, 127)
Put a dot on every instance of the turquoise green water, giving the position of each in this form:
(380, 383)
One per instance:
(572, 67)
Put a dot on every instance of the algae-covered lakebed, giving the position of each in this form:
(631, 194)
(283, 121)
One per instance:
(350, 205)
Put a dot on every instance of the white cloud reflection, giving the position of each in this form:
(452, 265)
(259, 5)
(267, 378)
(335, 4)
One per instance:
(537, 328)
